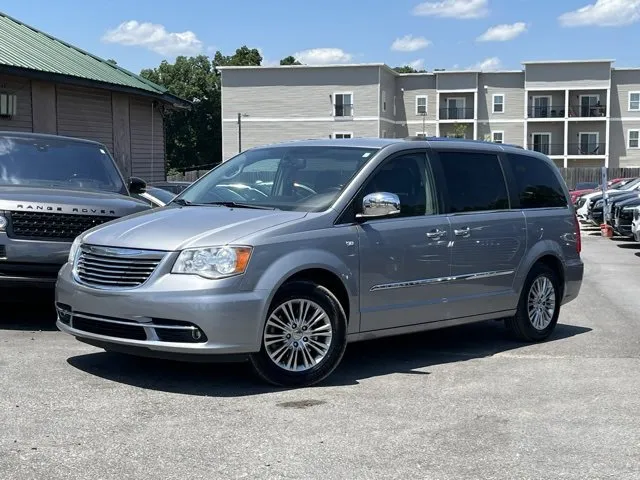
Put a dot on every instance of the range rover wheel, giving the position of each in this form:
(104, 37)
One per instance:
(539, 306)
(304, 337)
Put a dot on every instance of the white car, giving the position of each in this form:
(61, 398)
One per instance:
(635, 224)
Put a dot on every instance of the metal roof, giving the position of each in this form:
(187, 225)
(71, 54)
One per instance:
(24, 47)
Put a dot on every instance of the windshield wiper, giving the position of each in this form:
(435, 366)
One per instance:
(237, 205)
(181, 201)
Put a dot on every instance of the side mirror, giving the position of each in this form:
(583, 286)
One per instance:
(137, 185)
(378, 205)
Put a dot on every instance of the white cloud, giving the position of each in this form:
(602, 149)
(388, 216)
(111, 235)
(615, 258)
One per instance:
(154, 37)
(488, 64)
(603, 13)
(503, 32)
(409, 43)
(417, 64)
(323, 56)
(453, 8)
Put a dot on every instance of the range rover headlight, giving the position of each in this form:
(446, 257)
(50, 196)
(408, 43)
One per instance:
(3, 222)
(213, 262)
(75, 248)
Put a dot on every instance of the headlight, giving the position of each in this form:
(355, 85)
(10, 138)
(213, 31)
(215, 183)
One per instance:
(3, 222)
(213, 262)
(73, 252)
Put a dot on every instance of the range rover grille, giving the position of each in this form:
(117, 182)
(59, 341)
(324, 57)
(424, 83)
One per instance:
(104, 267)
(51, 226)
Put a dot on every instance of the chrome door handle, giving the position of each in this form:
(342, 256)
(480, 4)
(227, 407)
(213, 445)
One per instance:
(436, 234)
(463, 232)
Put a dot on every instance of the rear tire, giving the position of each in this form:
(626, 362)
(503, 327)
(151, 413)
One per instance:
(304, 336)
(539, 306)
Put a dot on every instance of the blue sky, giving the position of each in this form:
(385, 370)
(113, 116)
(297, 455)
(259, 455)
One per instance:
(448, 34)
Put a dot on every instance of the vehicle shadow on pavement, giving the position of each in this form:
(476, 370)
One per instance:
(26, 311)
(403, 355)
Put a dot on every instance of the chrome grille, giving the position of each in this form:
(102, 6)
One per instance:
(115, 268)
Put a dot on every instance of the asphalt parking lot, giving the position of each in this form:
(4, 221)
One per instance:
(455, 404)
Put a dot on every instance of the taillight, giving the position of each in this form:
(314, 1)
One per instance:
(578, 234)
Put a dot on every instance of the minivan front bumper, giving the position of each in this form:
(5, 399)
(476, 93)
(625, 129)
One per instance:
(171, 317)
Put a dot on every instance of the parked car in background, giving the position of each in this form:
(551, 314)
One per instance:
(586, 203)
(622, 215)
(51, 190)
(174, 187)
(614, 184)
(155, 197)
(393, 228)
(586, 186)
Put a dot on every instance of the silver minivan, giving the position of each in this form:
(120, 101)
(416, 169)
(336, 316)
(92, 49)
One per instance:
(284, 254)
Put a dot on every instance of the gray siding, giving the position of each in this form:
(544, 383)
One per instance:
(387, 93)
(513, 131)
(298, 93)
(255, 134)
(619, 143)
(147, 140)
(568, 75)
(408, 88)
(456, 81)
(584, 162)
(623, 82)
(587, 127)
(508, 84)
(85, 113)
(21, 122)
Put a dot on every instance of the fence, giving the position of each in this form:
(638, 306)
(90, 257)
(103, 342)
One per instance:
(571, 175)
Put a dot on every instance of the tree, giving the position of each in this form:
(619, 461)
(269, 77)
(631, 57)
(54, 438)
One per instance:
(408, 69)
(459, 130)
(290, 60)
(194, 136)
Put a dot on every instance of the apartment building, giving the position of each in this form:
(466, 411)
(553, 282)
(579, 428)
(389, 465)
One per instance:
(581, 113)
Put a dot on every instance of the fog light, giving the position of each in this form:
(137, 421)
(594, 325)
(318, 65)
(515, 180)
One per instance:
(3, 223)
(196, 334)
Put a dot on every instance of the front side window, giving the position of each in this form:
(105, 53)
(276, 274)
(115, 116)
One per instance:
(634, 138)
(343, 105)
(411, 179)
(293, 178)
(536, 183)
(57, 163)
(498, 103)
(421, 105)
(634, 101)
(475, 182)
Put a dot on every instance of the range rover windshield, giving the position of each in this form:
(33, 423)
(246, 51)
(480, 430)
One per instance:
(297, 178)
(57, 163)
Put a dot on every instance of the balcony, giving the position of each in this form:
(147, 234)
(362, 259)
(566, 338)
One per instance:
(546, 111)
(456, 113)
(343, 110)
(588, 111)
(547, 148)
(580, 149)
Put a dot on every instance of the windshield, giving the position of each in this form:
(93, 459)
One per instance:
(284, 177)
(57, 163)
(630, 184)
(160, 194)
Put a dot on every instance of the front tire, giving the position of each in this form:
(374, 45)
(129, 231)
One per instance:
(304, 337)
(539, 306)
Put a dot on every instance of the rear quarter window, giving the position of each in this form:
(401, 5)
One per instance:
(537, 184)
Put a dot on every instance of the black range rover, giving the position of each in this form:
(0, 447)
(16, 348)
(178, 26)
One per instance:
(52, 189)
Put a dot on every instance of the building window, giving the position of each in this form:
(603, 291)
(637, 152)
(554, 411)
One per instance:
(498, 103)
(421, 105)
(343, 104)
(343, 135)
(634, 138)
(497, 137)
(422, 134)
(634, 101)
(384, 101)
